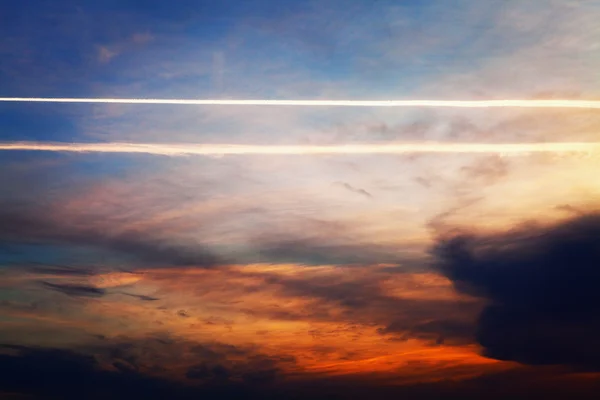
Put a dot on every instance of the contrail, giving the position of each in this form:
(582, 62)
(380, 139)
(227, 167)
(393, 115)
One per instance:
(327, 103)
(166, 149)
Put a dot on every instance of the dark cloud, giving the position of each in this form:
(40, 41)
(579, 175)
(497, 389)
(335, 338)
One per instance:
(200, 372)
(43, 373)
(211, 364)
(39, 373)
(141, 297)
(53, 373)
(75, 290)
(517, 384)
(34, 226)
(541, 283)
(261, 376)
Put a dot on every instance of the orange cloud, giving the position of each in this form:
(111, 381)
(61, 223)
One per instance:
(254, 306)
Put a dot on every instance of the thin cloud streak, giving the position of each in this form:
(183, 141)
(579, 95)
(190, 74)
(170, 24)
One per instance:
(168, 149)
(325, 103)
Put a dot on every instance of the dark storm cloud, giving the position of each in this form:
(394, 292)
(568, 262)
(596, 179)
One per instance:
(33, 225)
(542, 284)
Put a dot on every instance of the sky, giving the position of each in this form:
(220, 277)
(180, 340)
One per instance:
(135, 263)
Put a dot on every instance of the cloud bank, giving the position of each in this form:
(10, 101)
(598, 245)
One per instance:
(541, 283)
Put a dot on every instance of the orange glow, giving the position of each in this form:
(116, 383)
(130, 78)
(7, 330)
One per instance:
(222, 305)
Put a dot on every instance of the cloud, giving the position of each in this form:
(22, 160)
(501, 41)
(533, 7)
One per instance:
(142, 297)
(486, 170)
(333, 307)
(441, 330)
(76, 290)
(60, 270)
(260, 370)
(203, 372)
(313, 251)
(65, 374)
(405, 305)
(41, 373)
(351, 188)
(105, 54)
(33, 225)
(541, 283)
(568, 208)
(202, 363)
(125, 45)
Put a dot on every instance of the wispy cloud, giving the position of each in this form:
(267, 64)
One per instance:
(21, 225)
(352, 189)
(76, 290)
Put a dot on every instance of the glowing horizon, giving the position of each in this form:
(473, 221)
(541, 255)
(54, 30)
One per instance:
(183, 149)
(555, 103)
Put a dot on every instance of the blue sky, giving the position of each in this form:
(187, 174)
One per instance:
(80, 47)
(300, 50)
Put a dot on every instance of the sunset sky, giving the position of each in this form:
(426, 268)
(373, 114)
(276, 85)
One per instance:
(135, 264)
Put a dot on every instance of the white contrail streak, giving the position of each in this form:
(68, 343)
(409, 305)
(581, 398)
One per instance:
(167, 149)
(327, 103)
